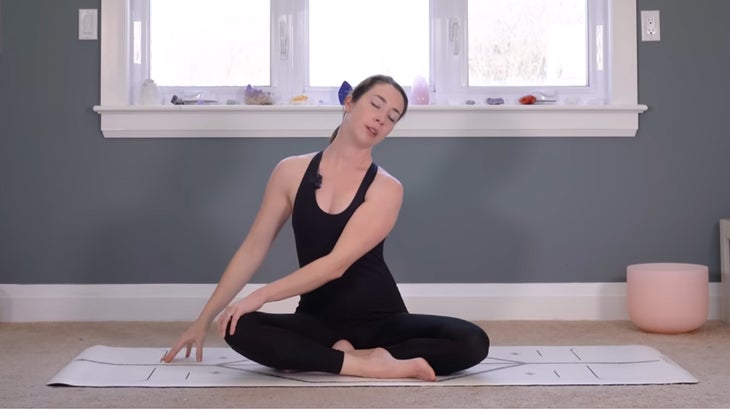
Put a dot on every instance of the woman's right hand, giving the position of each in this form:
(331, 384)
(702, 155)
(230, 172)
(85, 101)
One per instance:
(193, 336)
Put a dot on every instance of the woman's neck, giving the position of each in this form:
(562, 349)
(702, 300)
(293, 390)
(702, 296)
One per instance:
(341, 154)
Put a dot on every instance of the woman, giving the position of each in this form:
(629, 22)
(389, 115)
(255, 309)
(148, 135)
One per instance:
(351, 318)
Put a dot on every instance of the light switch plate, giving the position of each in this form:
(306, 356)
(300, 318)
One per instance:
(88, 24)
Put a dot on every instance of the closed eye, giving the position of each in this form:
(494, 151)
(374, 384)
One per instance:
(393, 115)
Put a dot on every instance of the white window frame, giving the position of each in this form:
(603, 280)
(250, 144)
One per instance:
(120, 119)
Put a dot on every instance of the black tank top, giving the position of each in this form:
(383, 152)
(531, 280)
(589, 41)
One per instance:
(367, 289)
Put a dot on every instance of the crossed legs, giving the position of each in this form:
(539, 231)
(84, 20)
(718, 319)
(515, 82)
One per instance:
(402, 345)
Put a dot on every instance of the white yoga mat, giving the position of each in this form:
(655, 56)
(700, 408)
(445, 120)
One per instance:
(103, 366)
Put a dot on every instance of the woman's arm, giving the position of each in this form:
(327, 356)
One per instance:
(368, 226)
(275, 209)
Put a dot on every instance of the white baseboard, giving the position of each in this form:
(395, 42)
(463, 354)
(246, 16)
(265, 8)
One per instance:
(182, 302)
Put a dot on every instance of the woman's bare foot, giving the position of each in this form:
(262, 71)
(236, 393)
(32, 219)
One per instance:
(347, 347)
(379, 363)
(343, 346)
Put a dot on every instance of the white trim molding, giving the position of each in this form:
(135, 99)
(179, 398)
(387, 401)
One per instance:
(725, 268)
(183, 302)
(251, 121)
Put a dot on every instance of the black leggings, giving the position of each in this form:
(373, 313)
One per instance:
(302, 342)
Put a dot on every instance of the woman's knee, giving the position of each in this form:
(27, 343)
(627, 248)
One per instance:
(471, 343)
(476, 341)
(245, 328)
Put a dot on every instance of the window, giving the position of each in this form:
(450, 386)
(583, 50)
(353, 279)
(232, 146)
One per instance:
(468, 50)
(547, 45)
(510, 48)
(196, 49)
(206, 43)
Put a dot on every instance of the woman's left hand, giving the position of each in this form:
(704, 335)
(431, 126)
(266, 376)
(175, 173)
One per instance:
(232, 313)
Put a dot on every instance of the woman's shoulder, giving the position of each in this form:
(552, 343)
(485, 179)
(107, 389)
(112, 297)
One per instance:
(301, 157)
(387, 177)
(386, 183)
(292, 168)
(295, 162)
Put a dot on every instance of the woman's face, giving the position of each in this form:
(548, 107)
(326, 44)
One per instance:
(375, 114)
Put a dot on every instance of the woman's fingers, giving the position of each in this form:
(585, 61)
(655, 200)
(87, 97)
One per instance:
(223, 321)
(234, 319)
(173, 352)
(199, 352)
(230, 315)
(168, 356)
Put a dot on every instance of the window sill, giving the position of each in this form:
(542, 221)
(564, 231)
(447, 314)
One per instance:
(246, 121)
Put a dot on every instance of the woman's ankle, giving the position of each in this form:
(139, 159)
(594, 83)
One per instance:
(379, 363)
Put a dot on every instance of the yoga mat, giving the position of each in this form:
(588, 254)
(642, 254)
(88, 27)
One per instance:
(103, 366)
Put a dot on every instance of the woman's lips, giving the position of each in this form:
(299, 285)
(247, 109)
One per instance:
(373, 132)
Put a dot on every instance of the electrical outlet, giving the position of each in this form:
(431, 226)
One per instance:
(650, 28)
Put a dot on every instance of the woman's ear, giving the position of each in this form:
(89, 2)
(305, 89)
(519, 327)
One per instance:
(347, 104)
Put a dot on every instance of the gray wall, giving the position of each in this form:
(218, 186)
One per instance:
(78, 208)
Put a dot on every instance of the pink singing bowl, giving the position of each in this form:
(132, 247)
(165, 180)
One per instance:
(667, 297)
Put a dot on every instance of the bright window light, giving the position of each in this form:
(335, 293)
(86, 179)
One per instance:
(351, 40)
(545, 46)
(210, 43)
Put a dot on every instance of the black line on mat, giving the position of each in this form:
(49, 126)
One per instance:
(594, 373)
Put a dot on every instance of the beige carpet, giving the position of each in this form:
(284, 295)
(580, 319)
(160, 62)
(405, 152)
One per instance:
(32, 353)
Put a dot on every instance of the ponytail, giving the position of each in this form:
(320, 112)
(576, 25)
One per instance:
(334, 134)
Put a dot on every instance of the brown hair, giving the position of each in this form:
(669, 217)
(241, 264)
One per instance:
(365, 86)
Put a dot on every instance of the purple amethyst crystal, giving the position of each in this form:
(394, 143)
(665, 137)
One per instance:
(344, 91)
